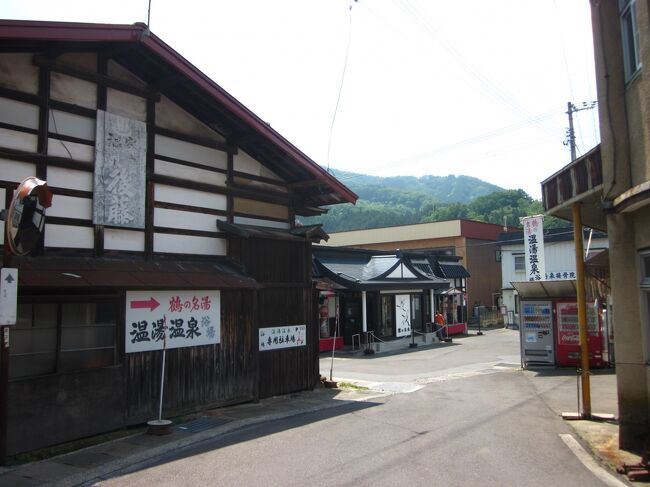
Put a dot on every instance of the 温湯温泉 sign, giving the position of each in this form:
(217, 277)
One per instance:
(287, 336)
(534, 246)
(171, 319)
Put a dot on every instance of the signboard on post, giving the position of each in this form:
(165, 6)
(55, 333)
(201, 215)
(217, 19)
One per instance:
(534, 246)
(403, 315)
(8, 296)
(171, 319)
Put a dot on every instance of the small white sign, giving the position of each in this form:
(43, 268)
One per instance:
(171, 319)
(8, 296)
(278, 337)
(534, 247)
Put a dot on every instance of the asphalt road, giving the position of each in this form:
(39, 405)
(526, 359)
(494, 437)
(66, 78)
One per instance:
(472, 419)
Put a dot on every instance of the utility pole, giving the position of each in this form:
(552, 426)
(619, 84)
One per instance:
(580, 271)
(571, 135)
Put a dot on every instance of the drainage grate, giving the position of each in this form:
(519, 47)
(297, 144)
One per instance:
(507, 365)
(201, 424)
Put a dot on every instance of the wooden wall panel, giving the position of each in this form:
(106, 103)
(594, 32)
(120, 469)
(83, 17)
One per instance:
(260, 208)
(261, 223)
(17, 72)
(199, 377)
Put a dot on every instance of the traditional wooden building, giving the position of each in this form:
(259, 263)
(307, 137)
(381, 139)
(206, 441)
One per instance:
(171, 226)
(388, 294)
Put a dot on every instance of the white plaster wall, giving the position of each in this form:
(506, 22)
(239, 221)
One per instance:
(71, 207)
(167, 146)
(186, 244)
(12, 139)
(166, 168)
(15, 170)
(68, 236)
(171, 194)
(164, 217)
(18, 72)
(73, 90)
(243, 162)
(172, 117)
(71, 150)
(59, 177)
(126, 105)
(64, 123)
(120, 239)
(18, 113)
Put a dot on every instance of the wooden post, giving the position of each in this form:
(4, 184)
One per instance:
(582, 310)
(4, 349)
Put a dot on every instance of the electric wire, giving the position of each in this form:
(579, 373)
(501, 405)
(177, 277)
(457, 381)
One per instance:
(422, 20)
(338, 98)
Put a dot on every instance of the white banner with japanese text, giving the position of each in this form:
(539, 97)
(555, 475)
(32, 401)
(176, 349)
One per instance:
(171, 319)
(403, 315)
(277, 337)
(534, 247)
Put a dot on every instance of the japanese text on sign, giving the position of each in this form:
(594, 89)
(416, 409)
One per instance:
(534, 247)
(282, 337)
(171, 319)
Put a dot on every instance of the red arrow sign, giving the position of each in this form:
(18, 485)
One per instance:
(151, 304)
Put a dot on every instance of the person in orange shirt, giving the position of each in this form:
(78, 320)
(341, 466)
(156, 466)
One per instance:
(439, 320)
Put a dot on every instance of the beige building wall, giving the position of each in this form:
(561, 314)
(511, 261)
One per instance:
(625, 148)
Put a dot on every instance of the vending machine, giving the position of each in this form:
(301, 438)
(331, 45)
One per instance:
(568, 336)
(536, 333)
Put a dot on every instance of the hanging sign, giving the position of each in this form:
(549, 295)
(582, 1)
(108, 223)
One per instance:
(8, 296)
(171, 319)
(534, 246)
(278, 337)
(120, 171)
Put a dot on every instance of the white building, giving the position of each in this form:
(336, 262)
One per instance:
(560, 260)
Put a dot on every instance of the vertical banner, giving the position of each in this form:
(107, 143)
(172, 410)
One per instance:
(403, 315)
(534, 246)
(120, 171)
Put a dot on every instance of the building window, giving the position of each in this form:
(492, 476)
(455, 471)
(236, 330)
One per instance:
(645, 270)
(52, 337)
(520, 262)
(630, 37)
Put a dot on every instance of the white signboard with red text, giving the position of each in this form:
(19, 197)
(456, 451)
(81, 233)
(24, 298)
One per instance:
(171, 319)
(534, 246)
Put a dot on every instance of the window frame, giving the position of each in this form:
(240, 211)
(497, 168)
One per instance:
(629, 38)
(60, 301)
(522, 266)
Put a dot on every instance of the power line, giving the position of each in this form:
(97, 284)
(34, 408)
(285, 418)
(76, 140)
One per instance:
(338, 98)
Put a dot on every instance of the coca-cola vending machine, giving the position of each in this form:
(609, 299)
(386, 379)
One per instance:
(568, 336)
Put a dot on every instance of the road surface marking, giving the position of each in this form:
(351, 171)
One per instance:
(591, 464)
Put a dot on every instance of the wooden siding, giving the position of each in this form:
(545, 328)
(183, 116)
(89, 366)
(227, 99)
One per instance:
(284, 267)
(198, 377)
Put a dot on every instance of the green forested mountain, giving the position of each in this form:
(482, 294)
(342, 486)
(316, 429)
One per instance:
(402, 200)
